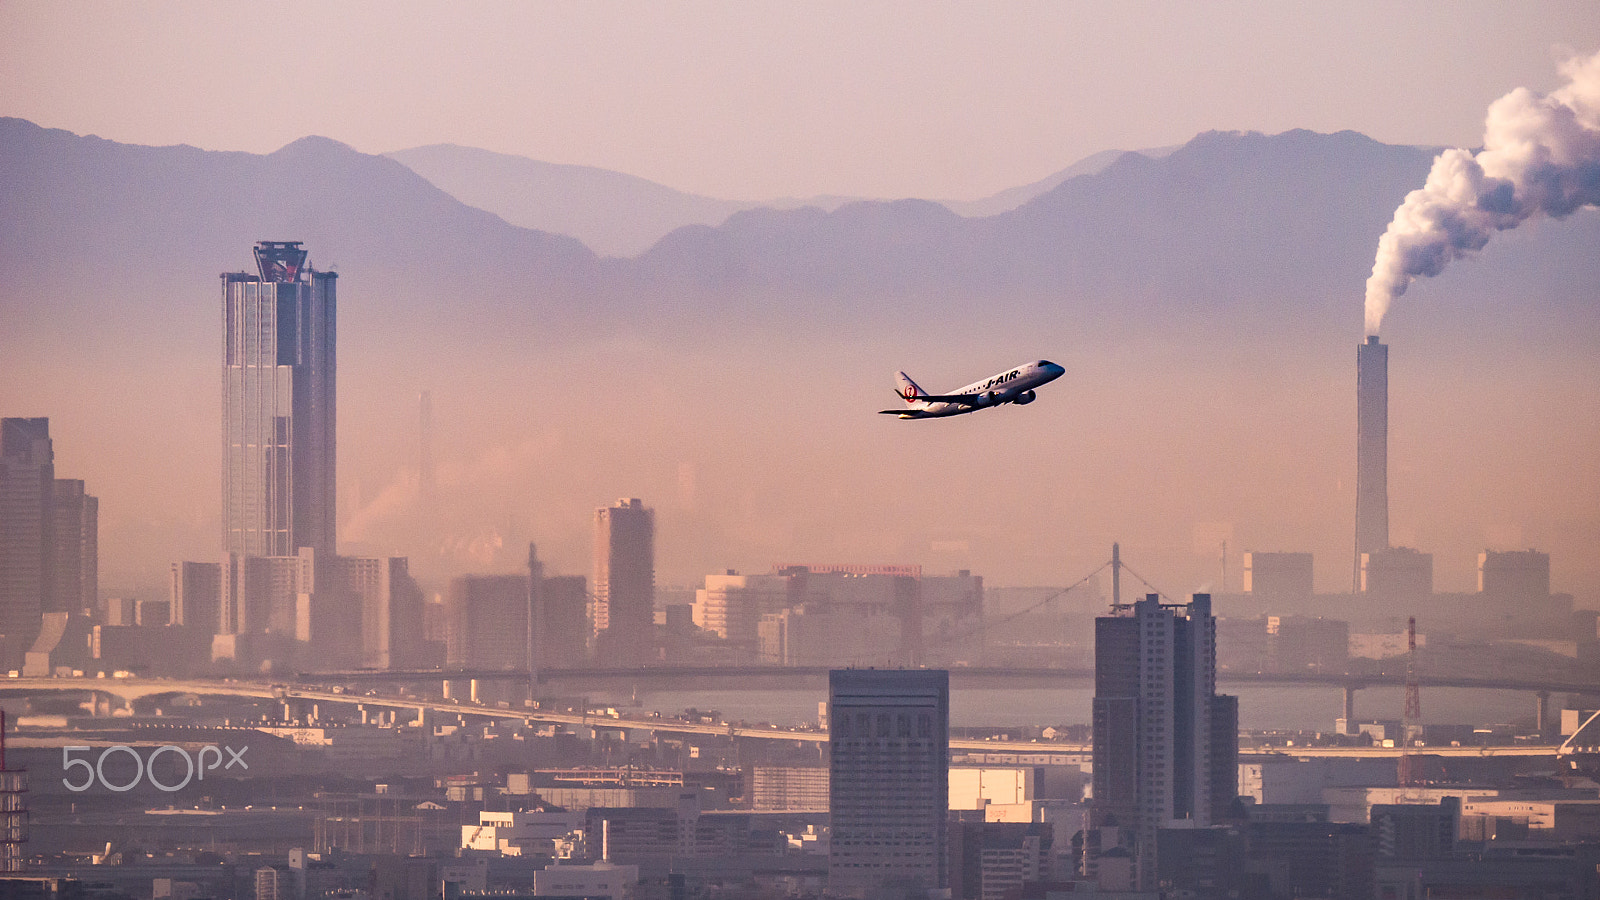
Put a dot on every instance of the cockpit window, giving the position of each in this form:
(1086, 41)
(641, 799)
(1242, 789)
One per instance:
(1044, 363)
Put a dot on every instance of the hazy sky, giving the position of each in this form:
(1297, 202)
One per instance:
(751, 100)
(760, 100)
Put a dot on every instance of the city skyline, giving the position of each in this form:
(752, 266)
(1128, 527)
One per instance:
(1151, 438)
(560, 547)
(688, 485)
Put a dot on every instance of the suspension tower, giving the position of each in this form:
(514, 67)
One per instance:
(1411, 723)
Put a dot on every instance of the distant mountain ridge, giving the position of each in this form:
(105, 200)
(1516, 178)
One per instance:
(1206, 304)
(1234, 232)
(618, 214)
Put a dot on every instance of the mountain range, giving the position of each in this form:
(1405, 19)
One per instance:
(1233, 232)
(1205, 302)
(623, 215)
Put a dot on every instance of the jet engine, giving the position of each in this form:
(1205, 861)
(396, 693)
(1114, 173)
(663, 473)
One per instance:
(986, 398)
(1023, 399)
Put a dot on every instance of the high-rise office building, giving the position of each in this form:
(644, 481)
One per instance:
(312, 608)
(27, 493)
(75, 548)
(391, 603)
(563, 622)
(195, 591)
(278, 405)
(888, 780)
(1372, 451)
(486, 622)
(623, 609)
(49, 546)
(731, 605)
(1159, 725)
(559, 630)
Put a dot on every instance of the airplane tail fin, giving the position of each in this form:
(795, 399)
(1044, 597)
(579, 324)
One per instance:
(907, 389)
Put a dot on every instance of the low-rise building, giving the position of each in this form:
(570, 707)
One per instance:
(554, 834)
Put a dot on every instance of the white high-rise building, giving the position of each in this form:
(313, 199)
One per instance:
(278, 405)
(731, 605)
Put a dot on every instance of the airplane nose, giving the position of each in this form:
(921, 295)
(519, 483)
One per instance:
(1054, 369)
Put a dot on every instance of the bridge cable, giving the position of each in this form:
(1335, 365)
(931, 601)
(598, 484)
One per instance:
(1141, 578)
(984, 625)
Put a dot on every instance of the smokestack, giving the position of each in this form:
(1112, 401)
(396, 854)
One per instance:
(1540, 157)
(1372, 451)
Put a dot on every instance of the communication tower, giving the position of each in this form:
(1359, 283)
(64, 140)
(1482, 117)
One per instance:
(1411, 722)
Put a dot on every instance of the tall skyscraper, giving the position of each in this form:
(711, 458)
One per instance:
(278, 405)
(49, 544)
(75, 548)
(1159, 725)
(391, 603)
(889, 773)
(195, 591)
(563, 624)
(623, 610)
(1372, 451)
(27, 494)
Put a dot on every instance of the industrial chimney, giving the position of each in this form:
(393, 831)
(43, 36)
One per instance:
(1372, 451)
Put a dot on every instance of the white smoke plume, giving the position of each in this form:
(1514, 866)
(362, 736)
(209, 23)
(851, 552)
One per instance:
(1540, 157)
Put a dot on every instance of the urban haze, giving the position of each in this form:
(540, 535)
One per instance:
(439, 451)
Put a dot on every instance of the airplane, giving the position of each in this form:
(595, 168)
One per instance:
(1011, 386)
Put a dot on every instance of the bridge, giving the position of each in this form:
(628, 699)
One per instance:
(760, 677)
(129, 689)
(771, 677)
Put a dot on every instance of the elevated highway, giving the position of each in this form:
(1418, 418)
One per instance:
(292, 696)
(762, 678)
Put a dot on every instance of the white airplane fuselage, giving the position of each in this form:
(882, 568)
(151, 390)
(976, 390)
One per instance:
(1014, 385)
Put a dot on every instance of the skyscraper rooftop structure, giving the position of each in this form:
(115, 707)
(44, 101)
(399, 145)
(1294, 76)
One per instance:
(278, 414)
(889, 774)
(1165, 743)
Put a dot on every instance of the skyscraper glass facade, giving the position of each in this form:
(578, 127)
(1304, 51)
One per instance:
(889, 774)
(278, 412)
